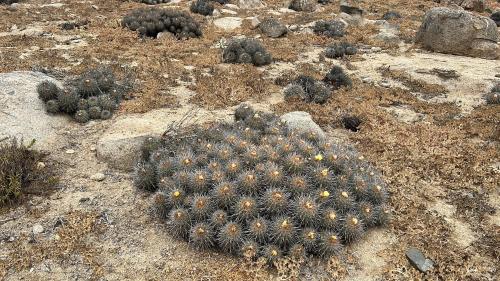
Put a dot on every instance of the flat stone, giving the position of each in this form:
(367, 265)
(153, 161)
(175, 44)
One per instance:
(22, 113)
(302, 122)
(120, 145)
(250, 4)
(418, 260)
(228, 23)
(350, 7)
(229, 12)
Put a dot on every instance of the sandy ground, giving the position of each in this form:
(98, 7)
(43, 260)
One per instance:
(434, 139)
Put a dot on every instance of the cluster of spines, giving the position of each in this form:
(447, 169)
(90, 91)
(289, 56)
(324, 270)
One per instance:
(150, 22)
(93, 95)
(313, 197)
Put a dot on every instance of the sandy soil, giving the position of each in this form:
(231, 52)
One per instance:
(434, 139)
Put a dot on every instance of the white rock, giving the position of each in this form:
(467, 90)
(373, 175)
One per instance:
(23, 114)
(250, 4)
(254, 21)
(98, 177)
(231, 6)
(302, 122)
(119, 146)
(228, 23)
(229, 12)
(37, 229)
(70, 151)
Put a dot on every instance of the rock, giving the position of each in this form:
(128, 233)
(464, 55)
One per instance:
(98, 177)
(459, 32)
(231, 6)
(37, 229)
(473, 5)
(384, 84)
(23, 114)
(40, 165)
(391, 15)
(250, 4)
(418, 260)
(355, 20)
(119, 146)
(302, 5)
(351, 7)
(216, 13)
(302, 122)
(254, 21)
(70, 151)
(228, 12)
(272, 28)
(228, 23)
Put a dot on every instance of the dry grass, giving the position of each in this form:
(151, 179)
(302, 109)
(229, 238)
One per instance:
(230, 85)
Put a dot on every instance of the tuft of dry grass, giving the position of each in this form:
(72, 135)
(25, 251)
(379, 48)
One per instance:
(229, 85)
(21, 171)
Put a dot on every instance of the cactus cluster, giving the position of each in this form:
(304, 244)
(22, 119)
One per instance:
(331, 28)
(337, 78)
(256, 188)
(493, 97)
(93, 95)
(339, 50)
(308, 89)
(153, 2)
(246, 50)
(151, 21)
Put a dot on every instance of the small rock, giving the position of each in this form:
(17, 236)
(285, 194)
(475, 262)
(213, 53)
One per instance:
(228, 23)
(392, 15)
(249, 4)
(293, 27)
(216, 13)
(272, 28)
(93, 148)
(229, 12)
(95, 7)
(384, 84)
(418, 260)
(350, 7)
(98, 177)
(13, 7)
(40, 165)
(367, 80)
(302, 122)
(37, 229)
(70, 151)
(231, 6)
(302, 5)
(254, 21)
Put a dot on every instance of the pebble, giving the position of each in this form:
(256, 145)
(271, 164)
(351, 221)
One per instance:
(384, 84)
(418, 260)
(40, 165)
(98, 177)
(229, 12)
(70, 151)
(37, 229)
(367, 80)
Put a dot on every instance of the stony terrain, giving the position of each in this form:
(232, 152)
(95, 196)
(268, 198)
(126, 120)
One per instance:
(425, 125)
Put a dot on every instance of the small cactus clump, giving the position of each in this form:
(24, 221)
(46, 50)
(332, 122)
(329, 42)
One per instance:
(493, 97)
(260, 189)
(339, 50)
(308, 89)
(202, 7)
(337, 78)
(92, 95)
(332, 28)
(246, 51)
(150, 22)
